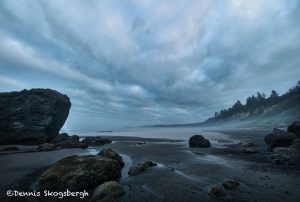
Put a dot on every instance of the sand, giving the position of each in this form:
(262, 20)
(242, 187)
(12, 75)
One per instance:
(182, 174)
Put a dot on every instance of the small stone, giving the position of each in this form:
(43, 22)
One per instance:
(249, 151)
(231, 184)
(216, 190)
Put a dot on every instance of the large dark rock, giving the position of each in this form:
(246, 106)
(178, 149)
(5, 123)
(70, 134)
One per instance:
(79, 173)
(32, 116)
(109, 153)
(198, 141)
(294, 128)
(279, 138)
(141, 167)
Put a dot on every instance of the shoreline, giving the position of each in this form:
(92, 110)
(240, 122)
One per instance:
(189, 171)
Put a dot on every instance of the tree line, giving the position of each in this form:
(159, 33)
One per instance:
(255, 102)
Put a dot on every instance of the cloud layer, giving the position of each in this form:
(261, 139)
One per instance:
(126, 63)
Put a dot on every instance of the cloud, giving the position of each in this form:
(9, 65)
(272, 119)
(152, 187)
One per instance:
(148, 62)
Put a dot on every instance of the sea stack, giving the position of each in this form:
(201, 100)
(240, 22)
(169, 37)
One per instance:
(32, 116)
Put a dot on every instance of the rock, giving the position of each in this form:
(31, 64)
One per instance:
(230, 184)
(11, 149)
(96, 141)
(32, 116)
(285, 155)
(198, 141)
(109, 153)
(296, 144)
(79, 173)
(294, 128)
(141, 167)
(108, 191)
(65, 141)
(249, 151)
(46, 147)
(216, 190)
(279, 138)
(140, 143)
(247, 144)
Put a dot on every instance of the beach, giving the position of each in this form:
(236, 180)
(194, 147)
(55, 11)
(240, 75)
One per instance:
(182, 173)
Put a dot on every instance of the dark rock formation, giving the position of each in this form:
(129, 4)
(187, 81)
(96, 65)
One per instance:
(279, 138)
(109, 153)
(46, 147)
(294, 128)
(32, 116)
(231, 184)
(79, 173)
(198, 141)
(96, 141)
(247, 144)
(141, 167)
(65, 141)
(108, 191)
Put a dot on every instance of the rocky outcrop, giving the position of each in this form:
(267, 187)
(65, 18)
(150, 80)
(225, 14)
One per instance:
(279, 138)
(294, 128)
(215, 190)
(96, 141)
(109, 153)
(108, 191)
(198, 141)
(79, 173)
(65, 141)
(285, 155)
(141, 167)
(32, 116)
(46, 147)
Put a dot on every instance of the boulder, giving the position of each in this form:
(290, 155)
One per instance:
(294, 128)
(141, 167)
(230, 184)
(96, 141)
(78, 173)
(32, 116)
(63, 140)
(47, 147)
(108, 191)
(198, 141)
(109, 153)
(279, 138)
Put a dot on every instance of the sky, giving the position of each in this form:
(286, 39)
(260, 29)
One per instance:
(132, 62)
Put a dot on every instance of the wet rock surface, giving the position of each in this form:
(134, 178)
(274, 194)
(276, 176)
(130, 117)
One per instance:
(198, 141)
(141, 167)
(279, 138)
(109, 153)
(79, 173)
(32, 116)
(46, 147)
(108, 191)
(65, 141)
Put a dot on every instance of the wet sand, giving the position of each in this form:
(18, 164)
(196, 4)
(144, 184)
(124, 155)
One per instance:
(182, 174)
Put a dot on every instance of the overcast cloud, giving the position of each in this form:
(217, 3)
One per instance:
(133, 62)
